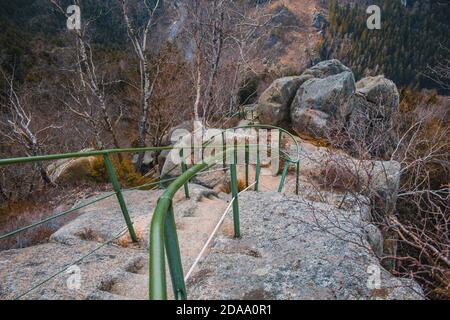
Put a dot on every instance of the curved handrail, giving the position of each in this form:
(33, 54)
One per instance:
(163, 235)
(162, 222)
(268, 126)
(287, 157)
(284, 155)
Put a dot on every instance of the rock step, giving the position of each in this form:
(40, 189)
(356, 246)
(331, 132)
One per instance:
(123, 263)
(195, 219)
(193, 232)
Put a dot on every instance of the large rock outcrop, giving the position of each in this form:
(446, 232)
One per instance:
(320, 100)
(380, 91)
(326, 68)
(69, 170)
(374, 103)
(274, 103)
(326, 96)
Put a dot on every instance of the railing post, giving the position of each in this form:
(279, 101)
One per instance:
(224, 148)
(117, 189)
(275, 152)
(246, 165)
(234, 194)
(258, 168)
(173, 256)
(183, 170)
(279, 148)
(283, 176)
(280, 136)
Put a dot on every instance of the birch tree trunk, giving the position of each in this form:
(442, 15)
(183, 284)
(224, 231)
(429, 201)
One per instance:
(20, 129)
(87, 75)
(139, 38)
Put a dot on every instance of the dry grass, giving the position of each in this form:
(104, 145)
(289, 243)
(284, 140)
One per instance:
(125, 171)
(89, 235)
(19, 214)
(315, 141)
(139, 225)
(240, 184)
(43, 204)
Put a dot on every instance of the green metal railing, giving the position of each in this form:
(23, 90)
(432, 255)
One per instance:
(163, 235)
(118, 191)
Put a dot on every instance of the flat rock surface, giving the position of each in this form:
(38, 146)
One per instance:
(23, 269)
(285, 253)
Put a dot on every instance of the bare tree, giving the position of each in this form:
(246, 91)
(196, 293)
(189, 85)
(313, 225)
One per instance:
(87, 88)
(139, 38)
(414, 215)
(440, 73)
(18, 128)
(224, 35)
(170, 105)
(421, 223)
(207, 30)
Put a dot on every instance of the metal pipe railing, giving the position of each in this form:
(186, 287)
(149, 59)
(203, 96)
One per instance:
(159, 231)
(120, 199)
(163, 235)
(163, 232)
(111, 173)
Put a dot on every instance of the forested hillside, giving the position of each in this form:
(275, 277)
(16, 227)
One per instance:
(412, 39)
(31, 28)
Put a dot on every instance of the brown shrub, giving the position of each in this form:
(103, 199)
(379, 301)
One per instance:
(337, 177)
(240, 184)
(125, 172)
